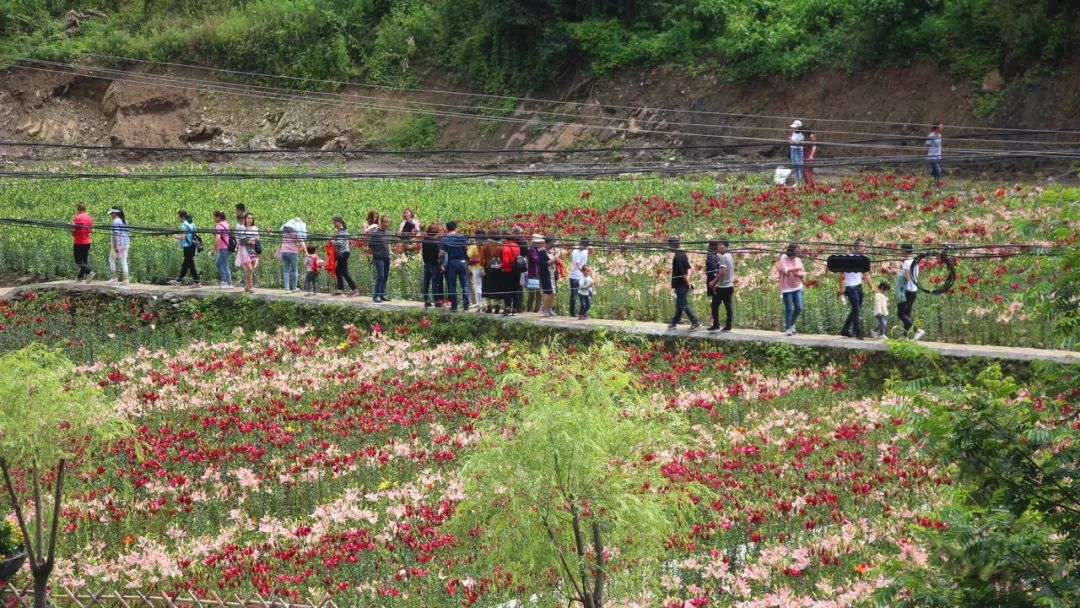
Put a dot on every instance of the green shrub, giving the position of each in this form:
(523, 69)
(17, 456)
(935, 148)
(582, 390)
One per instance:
(414, 132)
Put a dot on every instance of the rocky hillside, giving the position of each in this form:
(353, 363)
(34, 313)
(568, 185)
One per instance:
(612, 111)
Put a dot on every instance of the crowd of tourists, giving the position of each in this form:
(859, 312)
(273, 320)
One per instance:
(507, 274)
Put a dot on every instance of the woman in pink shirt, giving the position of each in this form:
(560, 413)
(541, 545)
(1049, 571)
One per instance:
(291, 246)
(222, 241)
(790, 270)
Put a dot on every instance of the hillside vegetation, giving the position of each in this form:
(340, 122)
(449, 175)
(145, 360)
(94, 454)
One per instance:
(514, 46)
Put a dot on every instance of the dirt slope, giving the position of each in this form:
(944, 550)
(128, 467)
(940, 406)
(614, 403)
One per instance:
(59, 108)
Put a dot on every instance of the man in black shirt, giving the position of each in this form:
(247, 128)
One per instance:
(431, 252)
(680, 282)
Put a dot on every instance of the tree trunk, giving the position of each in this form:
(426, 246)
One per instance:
(41, 588)
(600, 578)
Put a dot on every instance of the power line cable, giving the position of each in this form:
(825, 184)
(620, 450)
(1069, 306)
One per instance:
(246, 92)
(558, 102)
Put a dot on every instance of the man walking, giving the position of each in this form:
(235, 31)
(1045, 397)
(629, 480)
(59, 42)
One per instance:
(933, 151)
(851, 288)
(905, 308)
(720, 277)
(457, 265)
(680, 282)
(579, 258)
(82, 224)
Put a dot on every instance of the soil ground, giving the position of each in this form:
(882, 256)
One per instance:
(620, 111)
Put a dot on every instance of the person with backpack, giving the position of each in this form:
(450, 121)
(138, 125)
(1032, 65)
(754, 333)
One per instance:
(81, 225)
(491, 258)
(120, 240)
(511, 275)
(223, 245)
(190, 243)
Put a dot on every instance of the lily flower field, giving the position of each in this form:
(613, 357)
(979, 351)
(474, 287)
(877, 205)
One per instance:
(314, 464)
(990, 302)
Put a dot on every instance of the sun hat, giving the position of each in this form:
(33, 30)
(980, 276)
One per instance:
(113, 210)
(538, 238)
(797, 124)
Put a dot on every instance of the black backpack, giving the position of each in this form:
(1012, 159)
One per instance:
(230, 241)
(196, 242)
(495, 263)
(521, 263)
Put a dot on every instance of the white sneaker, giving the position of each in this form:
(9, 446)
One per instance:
(90, 277)
(790, 331)
(919, 334)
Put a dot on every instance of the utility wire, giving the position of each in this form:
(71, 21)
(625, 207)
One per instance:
(246, 91)
(563, 102)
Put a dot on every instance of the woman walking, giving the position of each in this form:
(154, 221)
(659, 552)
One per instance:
(222, 244)
(379, 241)
(491, 260)
(291, 246)
(120, 240)
(248, 250)
(189, 244)
(544, 272)
(341, 258)
(790, 270)
(476, 271)
(511, 276)
(532, 275)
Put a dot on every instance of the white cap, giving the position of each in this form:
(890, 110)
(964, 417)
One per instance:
(797, 124)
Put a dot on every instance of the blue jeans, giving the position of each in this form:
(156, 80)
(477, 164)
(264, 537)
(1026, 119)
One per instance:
(224, 270)
(682, 304)
(382, 273)
(433, 282)
(290, 263)
(935, 168)
(574, 297)
(456, 273)
(586, 304)
(853, 322)
(792, 307)
(797, 162)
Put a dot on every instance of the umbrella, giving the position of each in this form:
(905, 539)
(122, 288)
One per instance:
(296, 225)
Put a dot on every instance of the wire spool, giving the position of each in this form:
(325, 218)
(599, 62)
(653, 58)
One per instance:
(950, 266)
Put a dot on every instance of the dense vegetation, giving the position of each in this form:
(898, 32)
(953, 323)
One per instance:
(504, 45)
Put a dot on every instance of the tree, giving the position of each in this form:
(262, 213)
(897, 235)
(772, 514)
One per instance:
(1009, 534)
(564, 489)
(47, 415)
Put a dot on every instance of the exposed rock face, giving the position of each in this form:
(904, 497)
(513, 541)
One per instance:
(993, 81)
(49, 130)
(199, 133)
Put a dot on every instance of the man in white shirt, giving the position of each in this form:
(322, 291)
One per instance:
(797, 138)
(852, 283)
(579, 258)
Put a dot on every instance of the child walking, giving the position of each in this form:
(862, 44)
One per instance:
(881, 310)
(311, 278)
(585, 292)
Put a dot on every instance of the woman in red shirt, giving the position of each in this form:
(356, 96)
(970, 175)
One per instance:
(81, 225)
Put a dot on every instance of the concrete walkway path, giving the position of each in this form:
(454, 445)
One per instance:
(567, 323)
